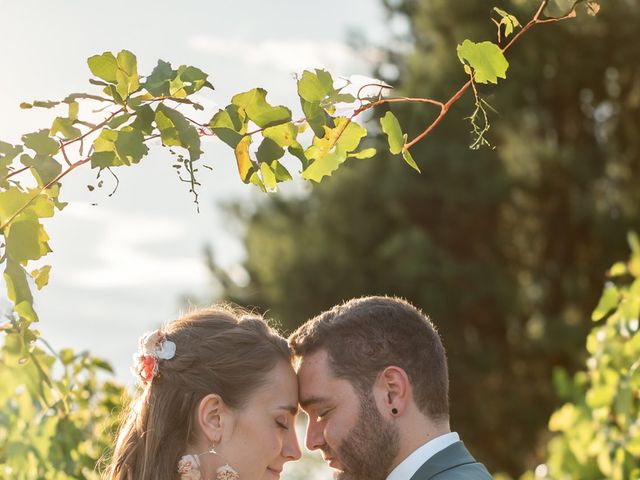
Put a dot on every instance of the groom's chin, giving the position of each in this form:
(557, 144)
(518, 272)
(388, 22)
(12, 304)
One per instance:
(342, 475)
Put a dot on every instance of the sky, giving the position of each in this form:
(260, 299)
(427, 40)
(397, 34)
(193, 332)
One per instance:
(121, 264)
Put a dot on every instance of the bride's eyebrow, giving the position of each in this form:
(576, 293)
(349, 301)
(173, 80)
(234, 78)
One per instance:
(289, 408)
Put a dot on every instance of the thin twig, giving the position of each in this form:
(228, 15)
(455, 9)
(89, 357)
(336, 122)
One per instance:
(48, 185)
(64, 153)
(16, 172)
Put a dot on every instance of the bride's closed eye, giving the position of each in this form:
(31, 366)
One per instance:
(282, 424)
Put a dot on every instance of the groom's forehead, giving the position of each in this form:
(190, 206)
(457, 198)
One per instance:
(316, 382)
(314, 375)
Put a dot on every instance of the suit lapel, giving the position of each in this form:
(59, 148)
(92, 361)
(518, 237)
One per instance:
(453, 456)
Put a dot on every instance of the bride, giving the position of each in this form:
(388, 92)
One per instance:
(218, 402)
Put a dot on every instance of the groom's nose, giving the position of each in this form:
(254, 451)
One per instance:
(315, 435)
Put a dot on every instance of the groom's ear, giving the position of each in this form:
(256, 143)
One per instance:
(394, 391)
(211, 417)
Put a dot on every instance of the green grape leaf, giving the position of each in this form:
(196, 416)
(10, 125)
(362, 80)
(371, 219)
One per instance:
(409, 159)
(130, 145)
(18, 290)
(104, 66)
(74, 108)
(314, 87)
(256, 180)
(43, 167)
(258, 109)
(509, 21)
(13, 199)
(127, 78)
(228, 125)
(175, 130)
(41, 276)
(325, 166)
(297, 151)
(119, 120)
(7, 153)
(282, 174)
(41, 142)
(485, 59)
(243, 159)
(608, 301)
(316, 116)
(313, 90)
(268, 176)
(269, 151)
(363, 154)
(53, 192)
(157, 84)
(193, 79)
(145, 116)
(391, 127)
(65, 127)
(26, 239)
(39, 104)
(618, 269)
(118, 147)
(284, 135)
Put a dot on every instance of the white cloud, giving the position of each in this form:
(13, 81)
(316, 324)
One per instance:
(293, 55)
(131, 251)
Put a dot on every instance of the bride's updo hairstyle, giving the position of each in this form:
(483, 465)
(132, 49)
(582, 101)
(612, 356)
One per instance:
(217, 350)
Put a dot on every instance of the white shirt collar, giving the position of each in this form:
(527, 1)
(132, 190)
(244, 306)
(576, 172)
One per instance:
(410, 465)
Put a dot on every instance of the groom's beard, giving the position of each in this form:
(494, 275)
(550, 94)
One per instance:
(367, 453)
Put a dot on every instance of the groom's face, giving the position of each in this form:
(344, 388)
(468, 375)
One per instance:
(354, 437)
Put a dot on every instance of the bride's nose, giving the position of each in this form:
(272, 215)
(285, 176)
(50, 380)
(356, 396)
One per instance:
(291, 447)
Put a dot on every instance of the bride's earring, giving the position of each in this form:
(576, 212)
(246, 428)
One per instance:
(226, 471)
(189, 467)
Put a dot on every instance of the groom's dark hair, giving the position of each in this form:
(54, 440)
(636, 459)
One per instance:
(365, 335)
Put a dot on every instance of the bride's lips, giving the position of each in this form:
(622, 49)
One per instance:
(275, 471)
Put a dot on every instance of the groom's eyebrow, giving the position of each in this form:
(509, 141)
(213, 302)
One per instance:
(308, 402)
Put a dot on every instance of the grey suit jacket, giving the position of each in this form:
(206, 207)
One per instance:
(453, 463)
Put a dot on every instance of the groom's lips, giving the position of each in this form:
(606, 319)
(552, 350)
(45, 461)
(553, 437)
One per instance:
(333, 463)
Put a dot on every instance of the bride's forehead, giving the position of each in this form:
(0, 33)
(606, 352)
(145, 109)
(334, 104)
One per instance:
(280, 387)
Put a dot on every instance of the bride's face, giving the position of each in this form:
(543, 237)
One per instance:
(263, 437)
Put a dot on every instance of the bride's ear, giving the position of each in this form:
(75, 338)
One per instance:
(213, 417)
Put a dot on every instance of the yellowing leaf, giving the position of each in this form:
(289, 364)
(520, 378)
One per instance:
(41, 276)
(242, 157)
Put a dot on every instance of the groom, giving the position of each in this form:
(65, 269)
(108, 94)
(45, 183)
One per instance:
(374, 384)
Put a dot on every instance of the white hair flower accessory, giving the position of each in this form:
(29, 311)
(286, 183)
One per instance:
(153, 346)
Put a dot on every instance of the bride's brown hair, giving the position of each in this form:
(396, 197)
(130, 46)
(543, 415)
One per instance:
(218, 350)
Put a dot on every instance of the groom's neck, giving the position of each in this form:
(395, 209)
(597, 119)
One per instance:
(416, 429)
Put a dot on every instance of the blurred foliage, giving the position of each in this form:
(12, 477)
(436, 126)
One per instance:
(505, 249)
(58, 413)
(599, 427)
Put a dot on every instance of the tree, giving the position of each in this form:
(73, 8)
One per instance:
(504, 248)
